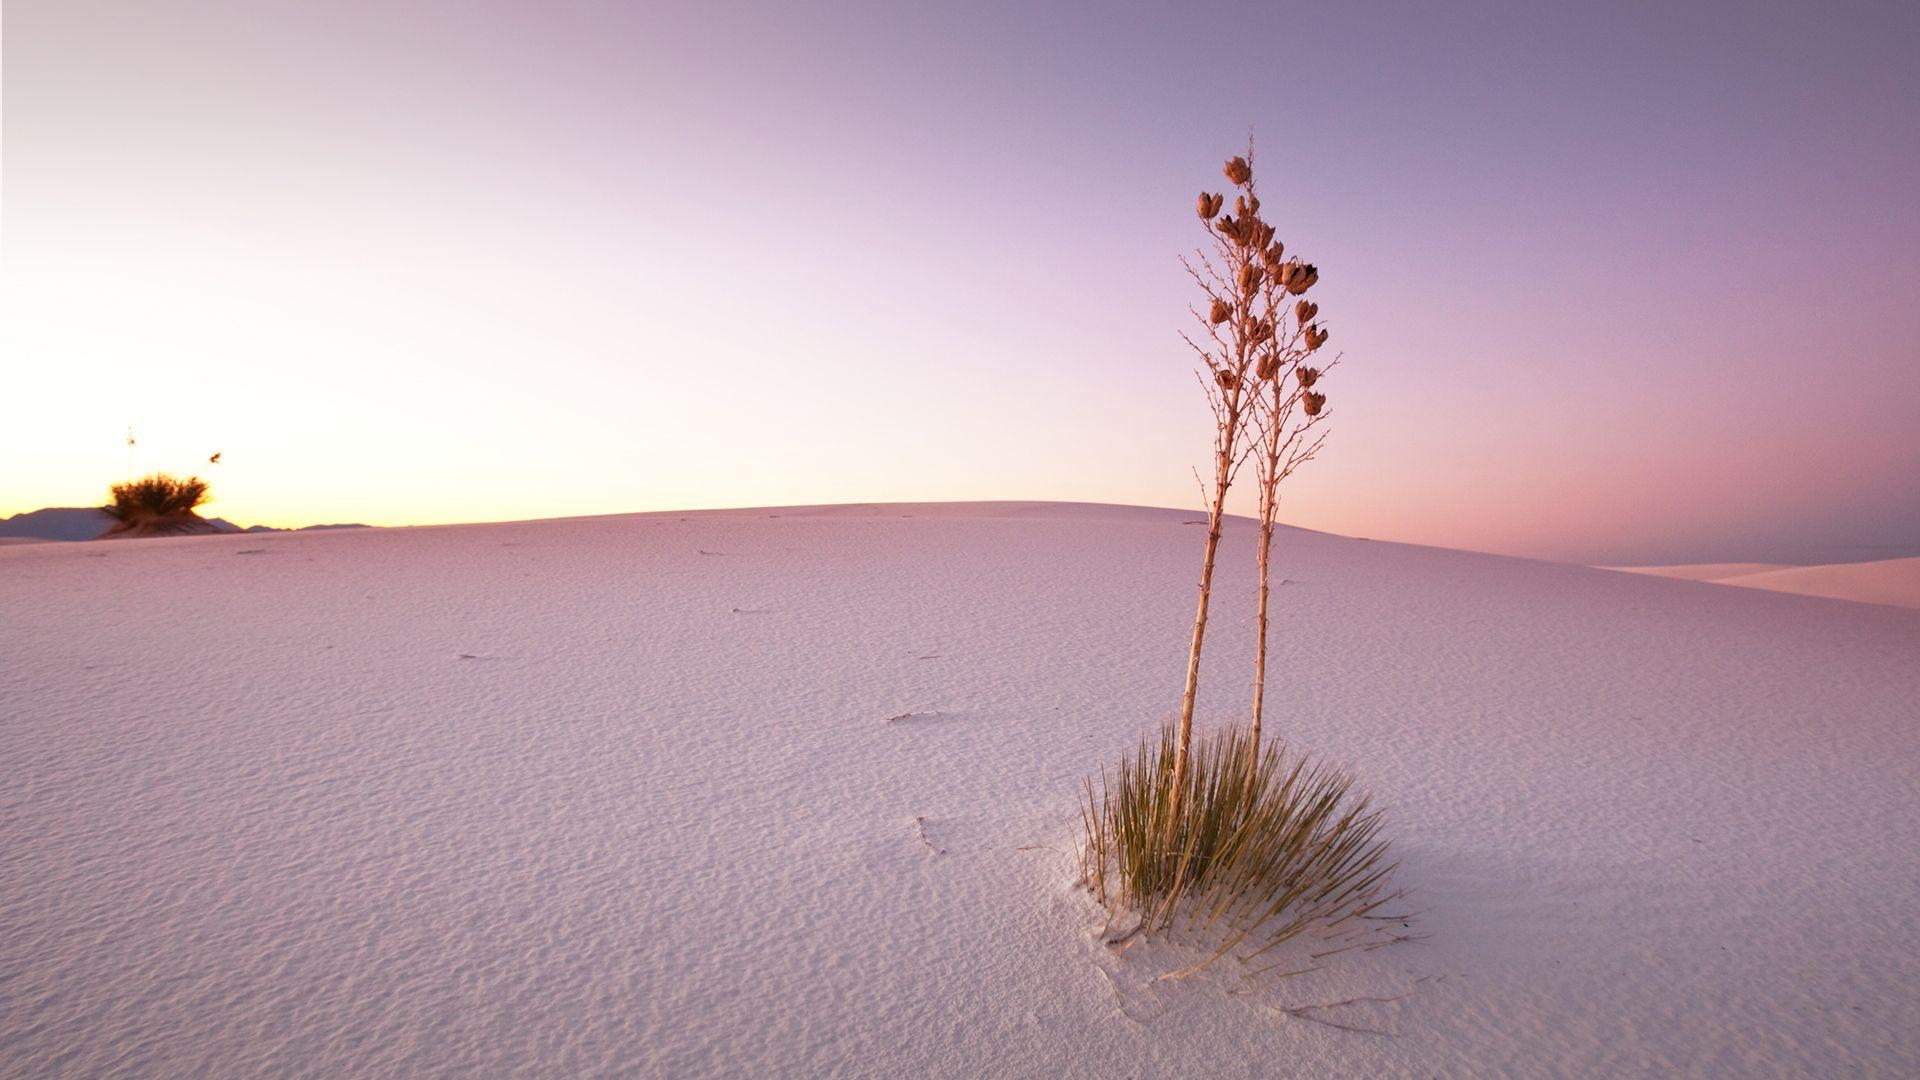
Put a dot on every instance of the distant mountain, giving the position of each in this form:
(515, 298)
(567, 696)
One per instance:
(88, 522)
(58, 523)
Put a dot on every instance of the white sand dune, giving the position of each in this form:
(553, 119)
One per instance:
(1886, 581)
(1703, 571)
(639, 795)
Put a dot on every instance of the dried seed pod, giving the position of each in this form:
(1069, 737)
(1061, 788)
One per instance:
(1275, 253)
(1316, 337)
(1302, 279)
(1305, 310)
(1210, 206)
(1269, 366)
(1227, 379)
(1251, 276)
(1220, 312)
(1229, 228)
(1313, 403)
(1260, 332)
(1259, 233)
(1307, 376)
(1246, 205)
(1237, 170)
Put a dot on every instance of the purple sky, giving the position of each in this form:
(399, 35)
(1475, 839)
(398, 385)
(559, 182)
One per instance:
(1615, 284)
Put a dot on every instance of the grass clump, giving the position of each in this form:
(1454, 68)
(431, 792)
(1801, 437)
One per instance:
(157, 505)
(156, 496)
(1260, 845)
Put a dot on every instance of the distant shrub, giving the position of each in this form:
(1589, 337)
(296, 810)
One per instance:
(156, 496)
(1263, 844)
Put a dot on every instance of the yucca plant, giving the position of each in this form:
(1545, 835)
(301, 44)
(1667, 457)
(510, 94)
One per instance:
(1246, 843)
(156, 496)
(1247, 850)
(157, 505)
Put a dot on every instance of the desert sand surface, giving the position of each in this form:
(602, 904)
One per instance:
(1704, 571)
(794, 792)
(1885, 581)
(1888, 581)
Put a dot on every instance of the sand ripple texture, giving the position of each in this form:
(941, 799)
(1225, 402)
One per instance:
(791, 792)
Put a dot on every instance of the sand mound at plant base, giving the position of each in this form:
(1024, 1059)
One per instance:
(168, 525)
(742, 794)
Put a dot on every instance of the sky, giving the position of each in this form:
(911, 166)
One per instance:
(1614, 283)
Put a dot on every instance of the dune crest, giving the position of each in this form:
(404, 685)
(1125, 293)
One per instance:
(1894, 582)
(1702, 571)
(1887, 581)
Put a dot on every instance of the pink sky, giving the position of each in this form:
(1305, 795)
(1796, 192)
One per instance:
(1611, 287)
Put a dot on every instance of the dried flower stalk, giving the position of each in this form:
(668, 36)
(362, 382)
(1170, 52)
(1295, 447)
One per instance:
(1284, 413)
(1236, 326)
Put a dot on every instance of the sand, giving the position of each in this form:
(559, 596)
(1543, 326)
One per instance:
(1888, 581)
(1895, 582)
(1703, 571)
(639, 795)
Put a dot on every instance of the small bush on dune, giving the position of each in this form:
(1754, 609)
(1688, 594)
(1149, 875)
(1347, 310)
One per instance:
(1259, 847)
(156, 496)
(157, 505)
